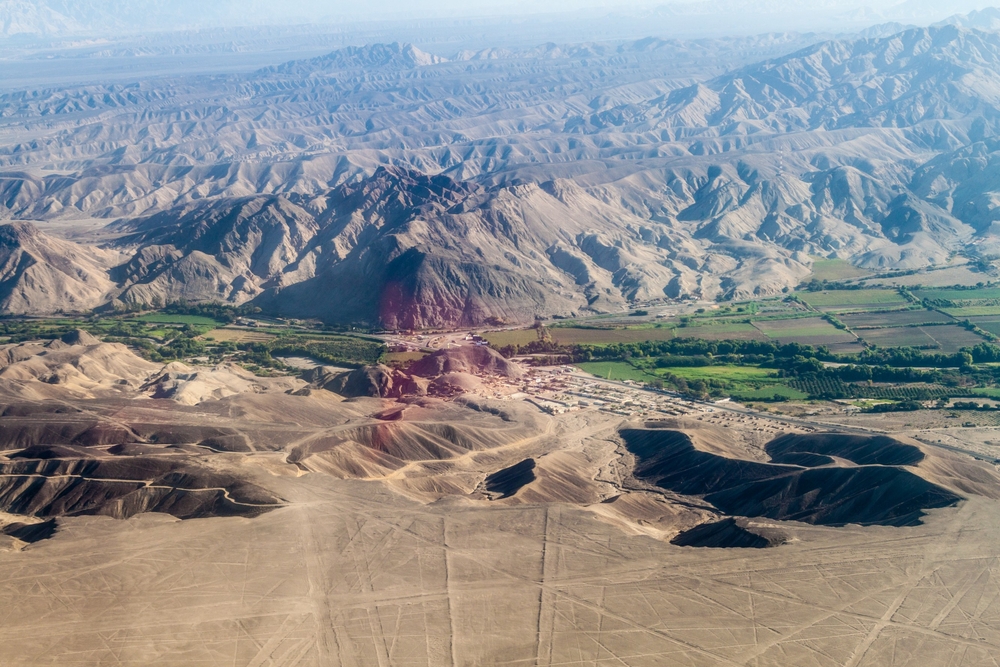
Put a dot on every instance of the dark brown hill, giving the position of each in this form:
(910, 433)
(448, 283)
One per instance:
(473, 359)
(829, 495)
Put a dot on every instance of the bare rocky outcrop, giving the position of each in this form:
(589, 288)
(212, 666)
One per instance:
(444, 373)
(471, 359)
(80, 337)
(374, 381)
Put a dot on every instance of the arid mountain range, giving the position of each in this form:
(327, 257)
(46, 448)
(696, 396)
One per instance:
(415, 190)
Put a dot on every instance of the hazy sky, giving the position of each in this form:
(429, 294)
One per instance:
(451, 8)
(680, 18)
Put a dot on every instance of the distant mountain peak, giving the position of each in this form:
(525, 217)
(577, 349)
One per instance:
(982, 19)
(395, 55)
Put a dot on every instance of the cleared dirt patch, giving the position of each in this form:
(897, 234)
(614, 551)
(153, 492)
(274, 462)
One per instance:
(238, 336)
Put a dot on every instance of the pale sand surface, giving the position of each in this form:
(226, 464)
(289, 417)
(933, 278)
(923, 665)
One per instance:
(353, 574)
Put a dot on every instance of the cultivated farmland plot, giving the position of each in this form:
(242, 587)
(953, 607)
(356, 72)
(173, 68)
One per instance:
(973, 310)
(616, 370)
(953, 338)
(742, 381)
(719, 331)
(899, 337)
(810, 331)
(837, 269)
(954, 275)
(836, 301)
(899, 318)
(854, 347)
(515, 337)
(990, 323)
(169, 318)
(575, 336)
(960, 295)
(946, 339)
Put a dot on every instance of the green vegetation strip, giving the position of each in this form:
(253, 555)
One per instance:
(618, 371)
(167, 318)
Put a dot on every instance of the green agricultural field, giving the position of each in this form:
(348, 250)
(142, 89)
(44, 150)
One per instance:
(615, 370)
(727, 373)
(849, 300)
(837, 269)
(988, 392)
(164, 318)
(499, 339)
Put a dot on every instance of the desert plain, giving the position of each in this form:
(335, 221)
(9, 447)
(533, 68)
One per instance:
(194, 516)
